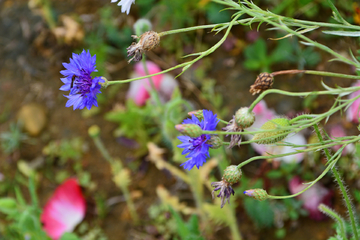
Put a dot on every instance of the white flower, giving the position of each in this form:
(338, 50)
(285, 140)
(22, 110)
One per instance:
(125, 5)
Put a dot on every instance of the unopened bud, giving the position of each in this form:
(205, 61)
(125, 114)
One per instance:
(257, 193)
(191, 130)
(263, 82)
(232, 174)
(148, 40)
(197, 113)
(273, 136)
(215, 142)
(141, 26)
(94, 131)
(244, 118)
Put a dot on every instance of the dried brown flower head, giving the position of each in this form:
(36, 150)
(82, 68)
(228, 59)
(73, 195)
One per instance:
(148, 40)
(235, 138)
(263, 82)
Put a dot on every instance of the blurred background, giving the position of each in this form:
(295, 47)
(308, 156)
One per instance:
(43, 140)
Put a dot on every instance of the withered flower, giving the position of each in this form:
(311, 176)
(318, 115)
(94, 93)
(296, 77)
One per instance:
(225, 191)
(263, 82)
(235, 138)
(232, 174)
(148, 40)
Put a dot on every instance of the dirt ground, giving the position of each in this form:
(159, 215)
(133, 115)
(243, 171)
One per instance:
(29, 69)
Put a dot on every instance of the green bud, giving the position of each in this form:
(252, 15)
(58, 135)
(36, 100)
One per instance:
(197, 113)
(191, 130)
(244, 118)
(257, 193)
(232, 174)
(94, 131)
(141, 26)
(272, 137)
(215, 142)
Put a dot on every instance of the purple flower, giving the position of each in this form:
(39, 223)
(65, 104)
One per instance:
(83, 88)
(196, 148)
(225, 191)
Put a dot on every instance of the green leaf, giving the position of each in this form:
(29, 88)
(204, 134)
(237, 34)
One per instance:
(69, 236)
(343, 33)
(274, 174)
(8, 205)
(260, 212)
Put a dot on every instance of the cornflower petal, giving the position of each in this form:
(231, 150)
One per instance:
(83, 88)
(197, 149)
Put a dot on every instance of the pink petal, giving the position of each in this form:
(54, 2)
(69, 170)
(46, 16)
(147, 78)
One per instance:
(152, 68)
(138, 90)
(352, 113)
(64, 210)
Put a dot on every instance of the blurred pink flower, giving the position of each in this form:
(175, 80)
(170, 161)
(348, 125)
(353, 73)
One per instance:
(64, 210)
(139, 90)
(352, 113)
(311, 198)
(338, 131)
(264, 114)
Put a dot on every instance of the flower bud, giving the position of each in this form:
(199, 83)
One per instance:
(94, 131)
(191, 130)
(215, 142)
(273, 136)
(257, 193)
(244, 118)
(232, 174)
(197, 113)
(141, 26)
(148, 41)
(263, 82)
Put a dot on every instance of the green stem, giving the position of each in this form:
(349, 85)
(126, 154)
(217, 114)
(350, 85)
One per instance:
(108, 83)
(154, 92)
(342, 187)
(300, 94)
(100, 146)
(310, 185)
(319, 73)
(104, 152)
(260, 15)
(325, 209)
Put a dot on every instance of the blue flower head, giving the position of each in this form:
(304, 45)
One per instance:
(196, 148)
(83, 88)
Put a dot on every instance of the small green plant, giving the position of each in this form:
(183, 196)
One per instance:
(11, 140)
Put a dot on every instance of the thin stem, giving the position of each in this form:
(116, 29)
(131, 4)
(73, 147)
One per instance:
(161, 34)
(100, 146)
(260, 15)
(155, 93)
(325, 209)
(108, 83)
(223, 121)
(341, 185)
(319, 73)
(310, 185)
(300, 94)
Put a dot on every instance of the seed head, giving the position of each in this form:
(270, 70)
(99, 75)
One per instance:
(148, 41)
(197, 113)
(273, 136)
(191, 130)
(215, 142)
(232, 174)
(263, 82)
(257, 193)
(244, 118)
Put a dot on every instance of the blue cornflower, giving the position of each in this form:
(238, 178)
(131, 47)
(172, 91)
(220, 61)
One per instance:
(83, 88)
(196, 148)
